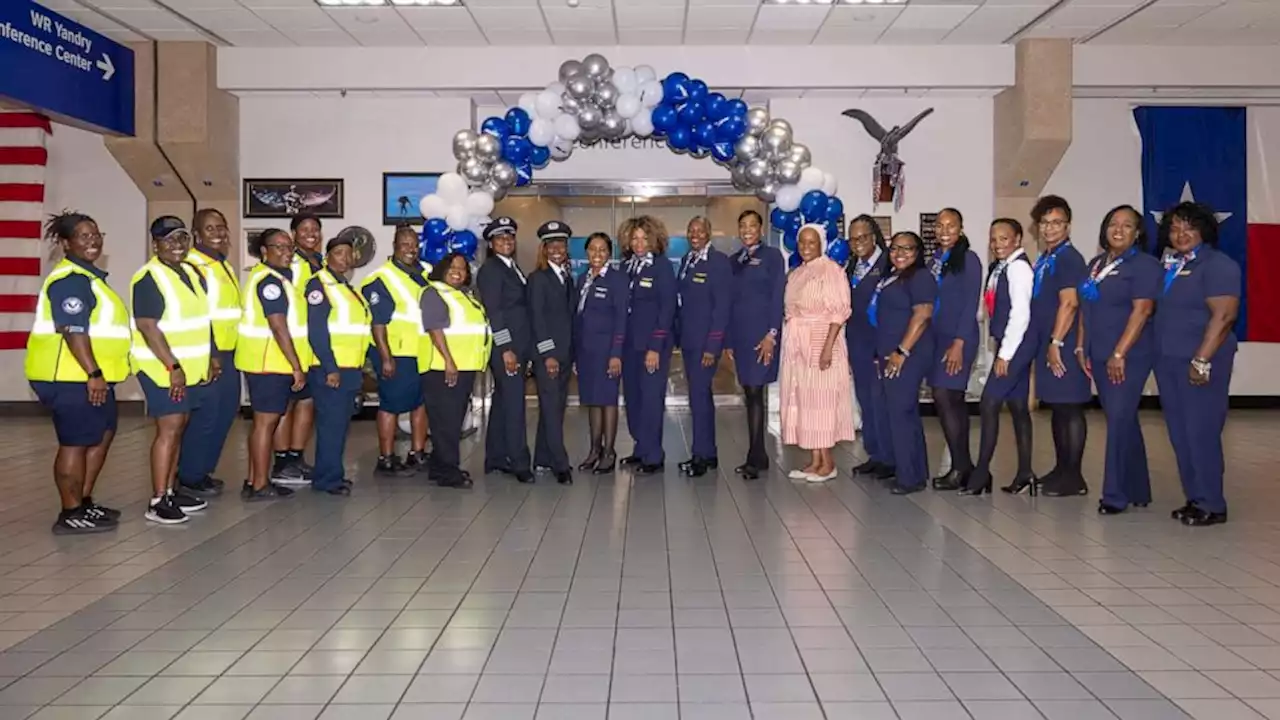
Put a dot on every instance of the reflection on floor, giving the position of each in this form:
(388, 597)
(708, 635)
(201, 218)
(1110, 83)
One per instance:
(641, 598)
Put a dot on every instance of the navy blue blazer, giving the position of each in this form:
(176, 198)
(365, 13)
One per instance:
(958, 297)
(653, 307)
(860, 337)
(601, 323)
(706, 291)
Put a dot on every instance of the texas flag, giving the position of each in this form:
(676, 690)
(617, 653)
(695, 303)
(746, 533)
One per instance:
(1202, 154)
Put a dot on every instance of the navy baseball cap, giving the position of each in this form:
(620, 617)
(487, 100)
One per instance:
(166, 225)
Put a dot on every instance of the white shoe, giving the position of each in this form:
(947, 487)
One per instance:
(798, 475)
(821, 478)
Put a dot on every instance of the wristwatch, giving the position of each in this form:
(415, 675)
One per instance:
(1117, 355)
(95, 374)
(1201, 366)
(175, 367)
(1057, 343)
(904, 352)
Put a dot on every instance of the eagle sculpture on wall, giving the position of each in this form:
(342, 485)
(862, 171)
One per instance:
(888, 177)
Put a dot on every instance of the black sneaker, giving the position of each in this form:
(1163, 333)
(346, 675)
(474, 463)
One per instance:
(418, 461)
(272, 491)
(93, 509)
(392, 466)
(165, 511)
(78, 522)
(308, 471)
(290, 474)
(187, 503)
(207, 486)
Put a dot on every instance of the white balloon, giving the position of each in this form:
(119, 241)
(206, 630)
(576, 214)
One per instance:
(645, 73)
(629, 106)
(479, 204)
(651, 93)
(810, 179)
(624, 78)
(542, 132)
(567, 128)
(548, 105)
(478, 223)
(453, 188)
(433, 206)
(642, 124)
(529, 102)
(556, 88)
(458, 218)
(561, 149)
(788, 198)
(829, 184)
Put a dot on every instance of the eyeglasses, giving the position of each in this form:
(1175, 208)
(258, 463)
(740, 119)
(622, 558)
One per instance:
(902, 249)
(1053, 223)
(87, 237)
(865, 237)
(279, 246)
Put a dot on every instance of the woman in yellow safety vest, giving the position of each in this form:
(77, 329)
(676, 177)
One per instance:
(77, 351)
(459, 330)
(272, 352)
(172, 355)
(294, 430)
(339, 332)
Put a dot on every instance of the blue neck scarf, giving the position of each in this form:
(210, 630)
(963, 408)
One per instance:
(1101, 271)
(1174, 263)
(1045, 266)
(936, 265)
(873, 308)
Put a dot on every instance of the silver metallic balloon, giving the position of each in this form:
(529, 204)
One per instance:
(464, 144)
(613, 125)
(738, 174)
(799, 154)
(589, 116)
(768, 192)
(569, 104)
(775, 142)
(579, 86)
(757, 172)
(595, 66)
(789, 171)
(747, 148)
(590, 136)
(757, 120)
(780, 123)
(568, 69)
(503, 173)
(474, 170)
(497, 191)
(488, 148)
(606, 95)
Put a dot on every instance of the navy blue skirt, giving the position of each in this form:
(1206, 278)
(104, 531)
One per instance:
(1017, 384)
(1072, 388)
(595, 387)
(938, 377)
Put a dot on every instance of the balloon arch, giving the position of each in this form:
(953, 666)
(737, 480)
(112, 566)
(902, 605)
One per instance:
(593, 101)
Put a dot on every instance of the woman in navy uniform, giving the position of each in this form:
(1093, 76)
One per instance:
(299, 420)
(599, 330)
(649, 340)
(553, 300)
(339, 330)
(706, 289)
(759, 283)
(1007, 298)
(1117, 343)
(502, 290)
(866, 267)
(1196, 349)
(1060, 379)
(77, 351)
(958, 272)
(901, 310)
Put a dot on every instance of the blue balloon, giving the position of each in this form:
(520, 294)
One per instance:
(835, 209)
(675, 88)
(433, 253)
(789, 237)
(516, 150)
(722, 152)
(738, 108)
(705, 133)
(731, 129)
(496, 127)
(792, 221)
(540, 157)
(838, 251)
(464, 241)
(778, 217)
(692, 111)
(794, 261)
(435, 229)
(832, 227)
(680, 138)
(524, 174)
(717, 106)
(814, 205)
(665, 117)
(697, 90)
(518, 120)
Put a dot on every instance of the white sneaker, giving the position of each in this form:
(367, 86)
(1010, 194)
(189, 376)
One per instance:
(821, 478)
(798, 475)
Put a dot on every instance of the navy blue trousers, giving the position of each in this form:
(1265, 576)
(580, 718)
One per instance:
(702, 404)
(334, 408)
(210, 422)
(1127, 479)
(646, 396)
(864, 389)
(1195, 416)
(903, 430)
(506, 442)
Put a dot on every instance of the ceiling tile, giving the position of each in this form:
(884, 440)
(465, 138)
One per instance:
(176, 35)
(723, 3)
(648, 16)
(121, 36)
(255, 4)
(791, 17)
(584, 37)
(321, 38)
(219, 20)
(148, 20)
(993, 24)
(502, 3)
(911, 36)
(516, 18)
(862, 16)
(649, 3)
(579, 18)
(1061, 31)
(253, 38)
(534, 35)
(1091, 16)
(932, 17)
(112, 5)
(453, 38)
(720, 16)
(1161, 15)
(438, 18)
(848, 35)
(653, 36)
(312, 18)
(717, 36)
(764, 36)
(183, 6)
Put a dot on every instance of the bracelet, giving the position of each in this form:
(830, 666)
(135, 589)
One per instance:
(175, 367)
(1079, 351)
(95, 374)
(1201, 366)
(1057, 343)
(904, 352)
(1118, 355)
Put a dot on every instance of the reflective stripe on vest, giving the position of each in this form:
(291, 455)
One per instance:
(224, 297)
(256, 348)
(185, 325)
(468, 335)
(48, 358)
(349, 321)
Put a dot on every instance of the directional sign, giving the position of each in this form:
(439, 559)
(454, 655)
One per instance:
(59, 66)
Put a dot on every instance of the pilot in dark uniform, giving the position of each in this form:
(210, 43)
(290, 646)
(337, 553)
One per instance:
(553, 300)
(502, 291)
(706, 289)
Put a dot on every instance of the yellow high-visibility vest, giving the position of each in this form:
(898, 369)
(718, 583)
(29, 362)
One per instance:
(468, 333)
(302, 272)
(49, 359)
(349, 321)
(256, 348)
(185, 325)
(404, 333)
(224, 297)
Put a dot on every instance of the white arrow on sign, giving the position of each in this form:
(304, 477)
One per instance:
(105, 65)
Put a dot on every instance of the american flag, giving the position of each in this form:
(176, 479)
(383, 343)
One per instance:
(23, 157)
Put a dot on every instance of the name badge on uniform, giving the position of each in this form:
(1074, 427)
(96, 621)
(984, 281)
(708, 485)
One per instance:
(646, 282)
(602, 292)
(1184, 273)
(699, 277)
(755, 261)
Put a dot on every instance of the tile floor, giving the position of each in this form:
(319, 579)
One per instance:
(646, 599)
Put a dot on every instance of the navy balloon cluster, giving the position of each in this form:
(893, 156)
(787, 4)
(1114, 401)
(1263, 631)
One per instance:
(697, 121)
(437, 240)
(816, 207)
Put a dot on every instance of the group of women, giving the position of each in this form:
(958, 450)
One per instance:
(300, 334)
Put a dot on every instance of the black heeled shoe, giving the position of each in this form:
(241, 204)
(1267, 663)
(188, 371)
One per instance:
(1029, 483)
(1105, 509)
(976, 484)
(866, 468)
(687, 465)
(601, 467)
(885, 473)
(1202, 518)
(903, 490)
(1065, 486)
(589, 463)
(629, 460)
(564, 477)
(953, 480)
(1183, 511)
(750, 472)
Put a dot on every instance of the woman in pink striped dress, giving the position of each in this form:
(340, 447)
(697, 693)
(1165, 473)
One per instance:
(817, 398)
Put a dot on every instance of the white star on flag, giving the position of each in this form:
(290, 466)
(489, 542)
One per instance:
(1188, 196)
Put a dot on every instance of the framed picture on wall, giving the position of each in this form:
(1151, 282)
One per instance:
(265, 198)
(402, 194)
